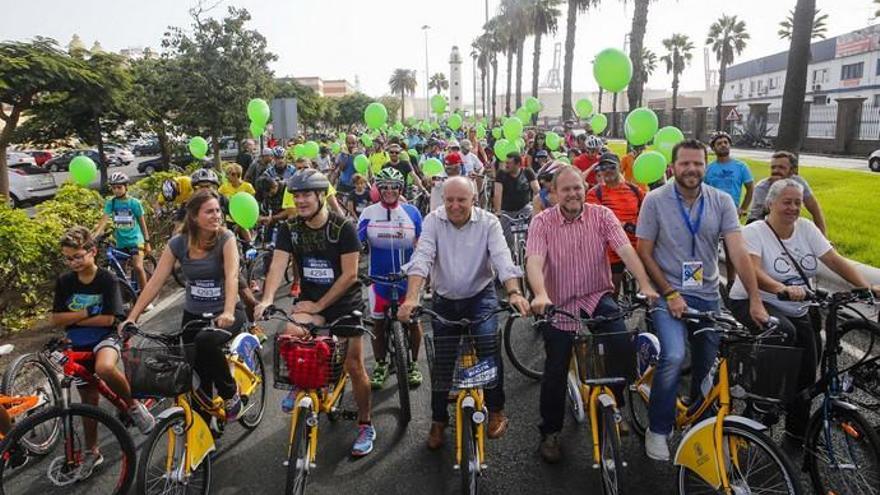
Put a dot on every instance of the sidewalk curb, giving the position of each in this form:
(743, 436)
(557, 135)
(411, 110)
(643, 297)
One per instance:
(166, 303)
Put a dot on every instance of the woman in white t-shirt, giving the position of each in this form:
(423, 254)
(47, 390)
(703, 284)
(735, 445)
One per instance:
(806, 246)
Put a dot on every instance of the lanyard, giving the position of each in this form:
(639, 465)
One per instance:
(693, 227)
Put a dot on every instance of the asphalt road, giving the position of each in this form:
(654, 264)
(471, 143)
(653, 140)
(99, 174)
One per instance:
(809, 160)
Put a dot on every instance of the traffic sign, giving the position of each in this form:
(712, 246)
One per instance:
(733, 116)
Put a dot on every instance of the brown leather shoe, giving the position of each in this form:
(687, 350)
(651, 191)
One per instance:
(498, 424)
(550, 450)
(436, 437)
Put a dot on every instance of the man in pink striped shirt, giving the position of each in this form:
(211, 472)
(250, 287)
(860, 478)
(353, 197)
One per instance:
(567, 266)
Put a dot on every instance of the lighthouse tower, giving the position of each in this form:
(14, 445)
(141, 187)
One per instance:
(455, 101)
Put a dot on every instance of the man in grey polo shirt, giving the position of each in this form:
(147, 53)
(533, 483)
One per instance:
(462, 247)
(678, 231)
(784, 165)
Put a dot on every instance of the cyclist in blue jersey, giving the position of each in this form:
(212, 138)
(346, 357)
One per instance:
(391, 229)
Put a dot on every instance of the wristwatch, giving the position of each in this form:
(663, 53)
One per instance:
(514, 292)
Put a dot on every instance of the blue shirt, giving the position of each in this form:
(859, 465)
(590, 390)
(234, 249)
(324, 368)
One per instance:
(272, 172)
(730, 177)
(345, 164)
(392, 235)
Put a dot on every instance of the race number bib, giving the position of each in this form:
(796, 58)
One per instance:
(692, 274)
(206, 290)
(123, 218)
(318, 271)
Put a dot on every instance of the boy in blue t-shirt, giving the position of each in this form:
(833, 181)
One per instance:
(130, 228)
(728, 174)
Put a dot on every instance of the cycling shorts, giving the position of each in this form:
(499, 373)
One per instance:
(379, 304)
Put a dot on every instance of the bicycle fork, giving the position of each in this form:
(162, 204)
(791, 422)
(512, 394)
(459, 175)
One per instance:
(309, 402)
(470, 400)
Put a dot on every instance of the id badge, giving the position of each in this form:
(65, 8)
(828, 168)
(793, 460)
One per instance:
(692, 274)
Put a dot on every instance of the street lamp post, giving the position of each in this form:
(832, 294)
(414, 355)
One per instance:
(425, 28)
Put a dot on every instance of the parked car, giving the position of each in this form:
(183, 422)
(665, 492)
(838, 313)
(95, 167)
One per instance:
(40, 156)
(228, 148)
(874, 161)
(119, 154)
(18, 158)
(28, 183)
(180, 158)
(62, 163)
(146, 149)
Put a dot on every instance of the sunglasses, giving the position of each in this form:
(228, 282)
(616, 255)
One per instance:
(389, 187)
(393, 152)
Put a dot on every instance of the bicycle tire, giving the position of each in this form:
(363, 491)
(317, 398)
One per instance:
(470, 478)
(252, 418)
(259, 268)
(150, 265)
(128, 455)
(638, 411)
(864, 336)
(751, 436)
(128, 295)
(17, 381)
(854, 426)
(610, 459)
(534, 367)
(174, 424)
(298, 461)
(400, 355)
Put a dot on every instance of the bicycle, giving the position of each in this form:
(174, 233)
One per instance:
(176, 455)
(471, 369)
(519, 227)
(29, 376)
(399, 345)
(590, 378)
(117, 261)
(314, 369)
(68, 468)
(722, 452)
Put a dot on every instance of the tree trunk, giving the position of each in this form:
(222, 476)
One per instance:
(101, 156)
(162, 137)
(519, 68)
(494, 89)
(215, 139)
(675, 99)
(536, 64)
(636, 42)
(601, 93)
(722, 79)
(402, 104)
(570, 28)
(614, 113)
(11, 122)
(791, 118)
(510, 54)
(483, 75)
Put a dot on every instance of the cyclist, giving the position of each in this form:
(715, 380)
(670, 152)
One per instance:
(567, 266)
(514, 189)
(259, 166)
(280, 169)
(344, 169)
(359, 199)
(678, 231)
(129, 224)
(379, 157)
(403, 167)
(729, 174)
(784, 248)
(784, 165)
(545, 198)
(537, 145)
(233, 183)
(87, 302)
(208, 256)
(391, 230)
(623, 199)
(463, 286)
(590, 151)
(627, 166)
(471, 164)
(451, 168)
(326, 249)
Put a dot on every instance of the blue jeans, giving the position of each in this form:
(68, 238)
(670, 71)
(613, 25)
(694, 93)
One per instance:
(472, 308)
(704, 347)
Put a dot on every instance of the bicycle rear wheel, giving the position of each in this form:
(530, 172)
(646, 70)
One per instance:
(757, 466)
(160, 468)
(522, 343)
(469, 468)
(61, 469)
(845, 456)
(149, 265)
(128, 295)
(611, 461)
(30, 375)
(299, 459)
(400, 355)
(638, 409)
(258, 270)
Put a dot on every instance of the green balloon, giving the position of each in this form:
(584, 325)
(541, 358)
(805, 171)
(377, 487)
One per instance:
(640, 126)
(649, 167)
(599, 122)
(496, 133)
(413, 153)
(520, 144)
(367, 140)
(583, 108)
(299, 151)
(533, 105)
(552, 140)
(341, 136)
(244, 209)
(666, 139)
(558, 154)
(523, 115)
(310, 149)
(258, 111)
(438, 104)
(257, 130)
(503, 147)
(375, 115)
(83, 170)
(361, 164)
(335, 147)
(513, 128)
(564, 159)
(198, 147)
(454, 122)
(480, 131)
(432, 167)
(398, 126)
(612, 69)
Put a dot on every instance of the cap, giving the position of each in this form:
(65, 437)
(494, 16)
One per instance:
(541, 154)
(453, 144)
(393, 147)
(452, 158)
(608, 161)
(466, 144)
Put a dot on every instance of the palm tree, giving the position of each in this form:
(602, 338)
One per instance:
(517, 15)
(481, 59)
(574, 8)
(819, 26)
(636, 45)
(789, 133)
(679, 56)
(495, 43)
(402, 81)
(877, 12)
(438, 81)
(727, 36)
(649, 65)
(544, 14)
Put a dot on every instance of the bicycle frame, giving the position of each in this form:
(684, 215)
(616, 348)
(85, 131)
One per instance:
(115, 259)
(73, 368)
(471, 397)
(316, 401)
(592, 397)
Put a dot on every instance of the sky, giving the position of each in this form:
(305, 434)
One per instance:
(368, 39)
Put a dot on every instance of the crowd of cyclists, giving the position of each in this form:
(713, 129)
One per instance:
(450, 234)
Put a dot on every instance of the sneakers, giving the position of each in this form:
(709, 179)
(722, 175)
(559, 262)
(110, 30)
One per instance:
(363, 444)
(550, 450)
(289, 402)
(380, 374)
(142, 417)
(295, 290)
(414, 376)
(91, 460)
(655, 446)
(232, 407)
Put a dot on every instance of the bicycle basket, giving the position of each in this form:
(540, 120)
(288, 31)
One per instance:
(768, 372)
(519, 225)
(305, 364)
(159, 371)
(606, 357)
(459, 362)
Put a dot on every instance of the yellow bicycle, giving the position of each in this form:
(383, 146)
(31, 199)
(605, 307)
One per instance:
(176, 455)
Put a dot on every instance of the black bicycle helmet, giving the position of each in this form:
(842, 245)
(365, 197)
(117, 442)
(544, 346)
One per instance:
(308, 179)
(204, 175)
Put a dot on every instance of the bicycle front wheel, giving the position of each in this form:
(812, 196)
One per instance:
(30, 375)
(843, 452)
(161, 466)
(63, 468)
(400, 355)
(256, 402)
(522, 343)
(754, 465)
(469, 465)
(298, 462)
(610, 460)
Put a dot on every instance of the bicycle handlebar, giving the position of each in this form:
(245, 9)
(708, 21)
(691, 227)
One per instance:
(275, 313)
(464, 322)
(552, 311)
(821, 297)
(391, 278)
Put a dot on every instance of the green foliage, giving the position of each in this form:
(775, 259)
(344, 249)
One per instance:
(351, 108)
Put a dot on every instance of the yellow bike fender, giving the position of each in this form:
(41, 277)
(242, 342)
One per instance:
(696, 452)
(247, 381)
(199, 441)
(742, 420)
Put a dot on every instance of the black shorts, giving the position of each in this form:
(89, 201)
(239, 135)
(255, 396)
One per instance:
(332, 313)
(618, 268)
